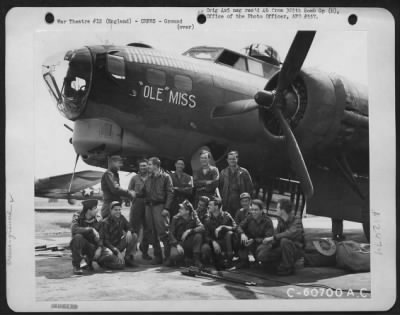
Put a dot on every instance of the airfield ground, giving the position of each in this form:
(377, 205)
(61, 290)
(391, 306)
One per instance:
(56, 282)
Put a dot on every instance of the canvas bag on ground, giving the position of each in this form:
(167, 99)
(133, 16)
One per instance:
(353, 256)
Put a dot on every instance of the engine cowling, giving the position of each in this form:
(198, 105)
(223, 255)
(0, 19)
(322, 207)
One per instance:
(325, 111)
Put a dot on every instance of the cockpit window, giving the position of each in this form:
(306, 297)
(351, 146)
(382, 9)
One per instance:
(116, 66)
(204, 53)
(232, 59)
(255, 67)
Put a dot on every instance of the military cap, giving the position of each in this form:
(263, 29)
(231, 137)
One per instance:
(115, 157)
(187, 205)
(244, 195)
(115, 203)
(204, 199)
(89, 203)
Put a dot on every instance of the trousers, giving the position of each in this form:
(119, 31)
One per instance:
(285, 254)
(159, 227)
(80, 247)
(226, 244)
(137, 220)
(191, 246)
(110, 261)
(259, 250)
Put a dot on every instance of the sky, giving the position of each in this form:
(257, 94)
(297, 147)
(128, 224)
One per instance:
(340, 52)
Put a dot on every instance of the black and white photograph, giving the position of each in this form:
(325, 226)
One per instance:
(189, 159)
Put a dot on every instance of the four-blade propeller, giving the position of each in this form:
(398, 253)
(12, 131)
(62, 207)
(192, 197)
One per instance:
(274, 101)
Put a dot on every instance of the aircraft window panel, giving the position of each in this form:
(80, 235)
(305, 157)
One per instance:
(240, 64)
(255, 67)
(183, 82)
(234, 60)
(156, 77)
(116, 66)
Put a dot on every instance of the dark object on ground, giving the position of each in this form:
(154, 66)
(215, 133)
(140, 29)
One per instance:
(196, 272)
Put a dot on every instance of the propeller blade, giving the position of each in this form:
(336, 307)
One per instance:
(294, 59)
(295, 156)
(73, 174)
(234, 108)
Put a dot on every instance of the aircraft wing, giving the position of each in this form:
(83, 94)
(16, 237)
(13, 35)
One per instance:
(59, 185)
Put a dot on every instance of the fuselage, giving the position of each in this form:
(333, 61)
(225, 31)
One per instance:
(141, 102)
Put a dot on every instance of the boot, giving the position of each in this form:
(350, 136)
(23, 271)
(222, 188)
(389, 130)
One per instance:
(169, 262)
(197, 261)
(284, 271)
(157, 260)
(167, 249)
(77, 270)
(243, 264)
(146, 256)
(130, 262)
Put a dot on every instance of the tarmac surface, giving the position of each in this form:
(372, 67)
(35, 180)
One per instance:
(56, 282)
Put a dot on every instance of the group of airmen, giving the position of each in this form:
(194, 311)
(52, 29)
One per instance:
(223, 227)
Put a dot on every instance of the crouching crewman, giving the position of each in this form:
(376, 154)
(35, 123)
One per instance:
(86, 242)
(286, 246)
(186, 235)
(253, 230)
(117, 235)
(220, 236)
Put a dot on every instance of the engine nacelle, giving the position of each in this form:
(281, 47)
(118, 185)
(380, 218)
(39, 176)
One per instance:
(325, 111)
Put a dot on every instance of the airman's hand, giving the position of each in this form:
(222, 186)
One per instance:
(120, 257)
(165, 213)
(249, 242)
(97, 253)
(132, 194)
(180, 250)
(267, 240)
(217, 231)
(243, 239)
(95, 234)
(217, 248)
(185, 234)
(128, 236)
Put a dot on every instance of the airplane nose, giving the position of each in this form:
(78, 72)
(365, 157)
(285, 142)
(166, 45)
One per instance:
(69, 80)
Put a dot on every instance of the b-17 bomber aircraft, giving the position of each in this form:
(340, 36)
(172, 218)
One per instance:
(285, 121)
(72, 187)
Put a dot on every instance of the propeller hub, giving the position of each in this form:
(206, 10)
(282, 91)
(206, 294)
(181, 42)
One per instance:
(265, 98)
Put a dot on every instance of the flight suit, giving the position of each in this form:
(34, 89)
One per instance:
(137, 214)
(184, 184)
(199, 181)
(158, 192)
(226, 239)
(232, 183)
(287, 245)
(192, 243)
(257, 230)
(240, 215)
(84, 242)
(112, 191)
(113, 233)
